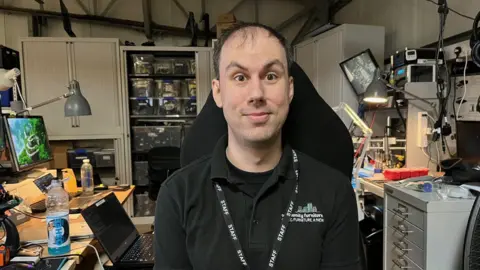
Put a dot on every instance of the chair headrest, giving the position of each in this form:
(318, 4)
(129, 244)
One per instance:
(312, 127)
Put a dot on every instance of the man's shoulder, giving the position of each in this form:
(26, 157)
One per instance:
(195, 171)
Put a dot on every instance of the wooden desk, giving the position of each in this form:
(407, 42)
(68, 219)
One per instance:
(35, 229)
(374, 184)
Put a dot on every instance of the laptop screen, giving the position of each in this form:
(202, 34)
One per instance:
(111, 226)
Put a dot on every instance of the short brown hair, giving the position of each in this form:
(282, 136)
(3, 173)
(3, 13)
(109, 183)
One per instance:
(243, 26)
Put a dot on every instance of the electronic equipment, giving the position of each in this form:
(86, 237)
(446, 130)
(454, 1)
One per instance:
(2, 136)
(415, 73)
(417, 56)
(51, 264)
(468, 140)
(118, 236)
(475, 41)
(12, 238)
(28, 141)
(360, 70)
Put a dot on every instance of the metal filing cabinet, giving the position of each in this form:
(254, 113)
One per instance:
(423, 231)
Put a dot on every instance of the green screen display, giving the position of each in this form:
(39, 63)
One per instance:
(30, 141)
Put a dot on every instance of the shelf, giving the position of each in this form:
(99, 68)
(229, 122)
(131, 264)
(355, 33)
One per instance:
(166, 98)
(385, 109)
(163, 76)
(173, 116)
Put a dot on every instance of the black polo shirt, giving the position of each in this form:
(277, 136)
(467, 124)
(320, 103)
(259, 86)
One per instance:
(190, 231)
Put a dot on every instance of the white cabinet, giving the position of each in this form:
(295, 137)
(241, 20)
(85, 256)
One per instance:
(321, 55)
(48, 64)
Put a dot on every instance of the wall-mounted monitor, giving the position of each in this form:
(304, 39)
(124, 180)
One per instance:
(360, 70)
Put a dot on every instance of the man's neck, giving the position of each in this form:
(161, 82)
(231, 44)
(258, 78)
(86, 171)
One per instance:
(254, 158)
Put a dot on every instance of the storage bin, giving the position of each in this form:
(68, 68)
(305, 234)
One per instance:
(169, 89)
(146, 138)
(140, 173)
(143, 106)
(158, 92)
(163, 66)
(193, 67)
(144, 206)
(143, 63)
(142, 87)
(191, 87)
(190, 106)
(105, 158)
(76, 156)
(181, 66)
(169, 106)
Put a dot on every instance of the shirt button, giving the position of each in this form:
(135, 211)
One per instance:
(255, 221)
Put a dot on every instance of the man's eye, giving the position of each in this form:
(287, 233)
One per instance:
(271, 76)
(239, 78)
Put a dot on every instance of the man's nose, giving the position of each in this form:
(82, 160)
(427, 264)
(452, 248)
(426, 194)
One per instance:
(257, 91)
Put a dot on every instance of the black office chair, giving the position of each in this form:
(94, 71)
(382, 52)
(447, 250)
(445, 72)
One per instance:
(162, 162)
(312, 127)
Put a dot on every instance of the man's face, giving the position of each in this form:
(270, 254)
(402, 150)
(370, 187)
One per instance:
(253, 88)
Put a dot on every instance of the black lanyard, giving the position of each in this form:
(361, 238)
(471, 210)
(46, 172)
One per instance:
(283, 227)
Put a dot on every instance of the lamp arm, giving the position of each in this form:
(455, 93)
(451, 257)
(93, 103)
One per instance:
(431, 104)
(66, 95)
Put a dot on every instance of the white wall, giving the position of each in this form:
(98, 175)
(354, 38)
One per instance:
(409, 23)
(270, 12)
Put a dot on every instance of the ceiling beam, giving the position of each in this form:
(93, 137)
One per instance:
(292, 19)
(182, 9)
(237, 5)
(169, 30)
(82, 6)
(109, 6)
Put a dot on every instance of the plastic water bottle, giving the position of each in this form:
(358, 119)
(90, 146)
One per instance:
(86, 173)
(58, 230)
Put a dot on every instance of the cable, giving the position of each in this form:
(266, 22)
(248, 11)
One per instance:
(98, 256)
(464, 84)
(454, 11)
(28, 214)
(454, 98)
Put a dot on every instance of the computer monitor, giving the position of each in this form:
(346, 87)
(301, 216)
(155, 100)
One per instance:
(28, 141)
(360, 70)
(468, 140)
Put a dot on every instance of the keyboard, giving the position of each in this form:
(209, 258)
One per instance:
(141, 251)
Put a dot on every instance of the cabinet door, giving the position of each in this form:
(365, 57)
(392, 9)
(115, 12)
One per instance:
(95, 67)
(305, 58)
(45, 72)
(328, 55)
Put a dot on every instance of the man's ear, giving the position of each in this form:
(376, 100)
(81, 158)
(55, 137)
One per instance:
(216, 93)
(290, 89)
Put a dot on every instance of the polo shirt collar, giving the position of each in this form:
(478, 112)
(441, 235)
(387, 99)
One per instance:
(219, 165)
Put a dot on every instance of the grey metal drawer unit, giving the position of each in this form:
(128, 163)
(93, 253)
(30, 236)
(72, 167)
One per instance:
(422, 231)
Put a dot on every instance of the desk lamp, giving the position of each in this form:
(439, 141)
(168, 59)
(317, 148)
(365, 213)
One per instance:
(367, 133)
(377, 93)
(75, 105)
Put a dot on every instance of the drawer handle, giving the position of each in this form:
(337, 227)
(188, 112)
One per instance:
(402, 229)
(402, 246)
(400, 265)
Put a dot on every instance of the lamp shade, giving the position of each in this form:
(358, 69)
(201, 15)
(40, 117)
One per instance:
(376, 92)
(76, 104)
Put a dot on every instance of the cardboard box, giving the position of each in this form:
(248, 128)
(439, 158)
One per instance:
(222, 27)
(59, 152)
(226, 18)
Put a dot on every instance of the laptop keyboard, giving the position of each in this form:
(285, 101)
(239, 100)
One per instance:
(141, 251)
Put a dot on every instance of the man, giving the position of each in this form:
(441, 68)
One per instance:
(255, 203)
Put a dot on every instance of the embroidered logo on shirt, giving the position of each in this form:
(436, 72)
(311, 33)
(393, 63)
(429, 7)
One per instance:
(307, 214)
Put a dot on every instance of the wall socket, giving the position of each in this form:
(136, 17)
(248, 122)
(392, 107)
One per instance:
(422, 129)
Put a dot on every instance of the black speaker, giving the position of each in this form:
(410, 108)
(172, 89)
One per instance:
(475, 42)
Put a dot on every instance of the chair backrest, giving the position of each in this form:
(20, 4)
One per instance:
(312, 127)
(162, 162)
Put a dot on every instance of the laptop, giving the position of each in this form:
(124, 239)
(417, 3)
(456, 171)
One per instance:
(114, 229)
